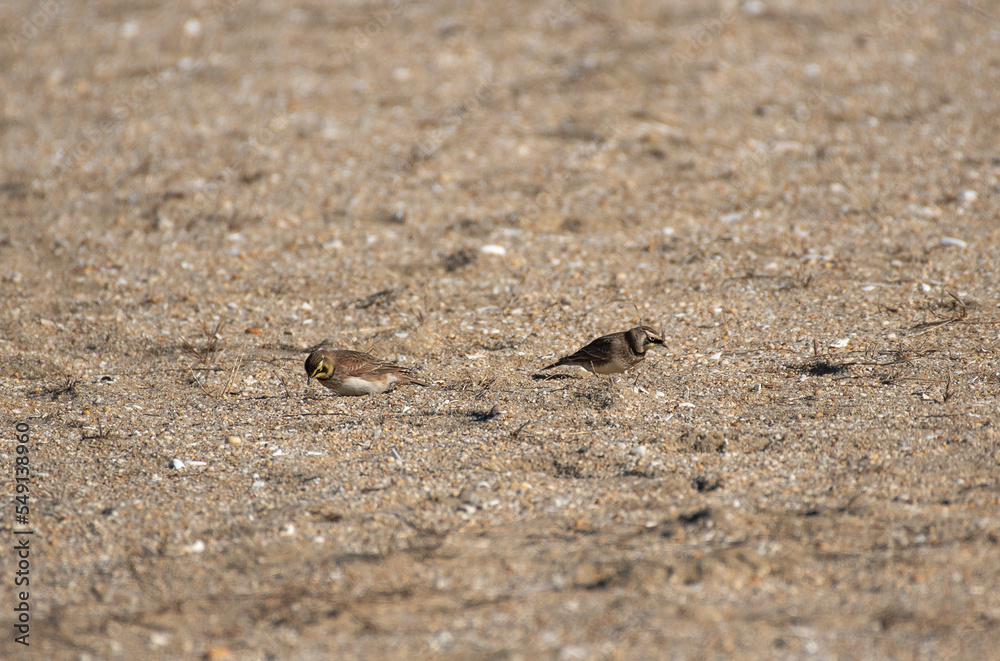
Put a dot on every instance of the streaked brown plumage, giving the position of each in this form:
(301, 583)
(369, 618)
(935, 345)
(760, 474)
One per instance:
(614, 353)
(355, 373)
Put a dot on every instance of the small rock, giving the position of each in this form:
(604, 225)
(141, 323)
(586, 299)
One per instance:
(704, 483)
(472, 495)
(217, 654)
(197, 547)
(458, 259)
(159, 639)
(495, 412)
(192, 27)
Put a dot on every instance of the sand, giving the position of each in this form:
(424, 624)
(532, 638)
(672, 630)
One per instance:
(802, 196)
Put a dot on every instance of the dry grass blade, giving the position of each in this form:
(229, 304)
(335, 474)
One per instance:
(100, 432)
(67, 387)
(283, 383)
(232, 376)
(377, 298)
(198, 382)
(517, 432)
(961, 311)
(483, 385)
(948, 392)
(207, 355)
(214, 345)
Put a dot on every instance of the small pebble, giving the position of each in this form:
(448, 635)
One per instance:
(495, 412)
(192, 27)
(217, 654)
(197, 547)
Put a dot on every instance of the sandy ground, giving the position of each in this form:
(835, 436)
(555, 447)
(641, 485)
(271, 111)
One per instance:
(802, 195)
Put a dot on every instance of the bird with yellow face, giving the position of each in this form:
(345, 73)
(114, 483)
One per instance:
(355, 373)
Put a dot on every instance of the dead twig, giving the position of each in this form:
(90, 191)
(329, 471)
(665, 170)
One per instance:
(303, 415)
(100, 434)
(517, 432)
(213, 347)
(284, 385)
(942, 320)
(377, 298)
(208, 355)
(194, 377)
(232, 375)
(68, 387)
(948, 392)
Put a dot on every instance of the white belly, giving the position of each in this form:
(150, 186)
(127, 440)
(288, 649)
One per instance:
(353, 386)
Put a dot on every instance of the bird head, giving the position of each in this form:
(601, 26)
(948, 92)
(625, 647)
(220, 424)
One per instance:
(644, 337)
(318, 366)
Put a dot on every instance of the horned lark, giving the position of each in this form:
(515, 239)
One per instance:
(354, 373)
(613, 353)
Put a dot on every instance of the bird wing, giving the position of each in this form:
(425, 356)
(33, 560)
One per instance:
(596, 351)
(403, 373)
(385, 368)
(358, 363)
(599, 349)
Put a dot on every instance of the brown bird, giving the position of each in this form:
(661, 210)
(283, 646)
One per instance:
(614, 353)
(354, 373)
